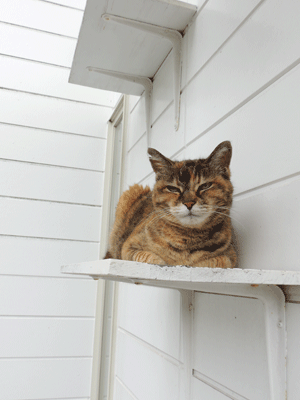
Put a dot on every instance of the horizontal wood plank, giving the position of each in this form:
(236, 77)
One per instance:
(80, 4)
(200, 388)
(52, 297)
(150, 181)
(53, 114)
(138, 162)
(46, 337)
(265, 141)
(52, 148)
(132, 102)
(226, 325)
(149, 376)
(216, 22)
(293, 348)
(42, 257)
(48, 48)
(39, 379)
(164, 136)
(159, 326)
(41, 219)
(41, 182)
(53, 141)
(137, 123)
(37, 77)
(163, 88)
(43, 16)
(249, 60)
(121, 392)
(266, 222)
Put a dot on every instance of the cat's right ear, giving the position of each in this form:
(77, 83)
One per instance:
(160, 163)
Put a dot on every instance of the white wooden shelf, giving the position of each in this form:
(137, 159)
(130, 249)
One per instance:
(112, 46)
(262, 285)
(179, 277)
(122, 44)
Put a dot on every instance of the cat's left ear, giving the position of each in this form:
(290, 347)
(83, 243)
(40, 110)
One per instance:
(221, 156)
(160, 163)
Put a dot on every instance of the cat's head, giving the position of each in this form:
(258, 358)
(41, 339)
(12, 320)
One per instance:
(193, 191)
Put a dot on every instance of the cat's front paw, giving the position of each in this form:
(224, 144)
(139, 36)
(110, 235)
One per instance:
(148, 257)
(215, 262)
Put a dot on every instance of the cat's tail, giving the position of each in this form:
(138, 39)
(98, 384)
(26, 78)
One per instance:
(129, 198)
(130, 211)
(107, 255)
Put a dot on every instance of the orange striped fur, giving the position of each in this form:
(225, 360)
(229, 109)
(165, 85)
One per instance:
(184, 220)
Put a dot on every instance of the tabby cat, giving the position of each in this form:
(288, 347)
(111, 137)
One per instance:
(184, 220)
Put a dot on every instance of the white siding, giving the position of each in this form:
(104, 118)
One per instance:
(53, 114)
(165, 335)
(240, 82)
(52, 157)
(68, 185)
(229, 344)
(19, 142)
(48, 48)
(43, 16)
(30, 258)
(79, 4)
(293, 357)
(148, 372)
(50, 378)
(17, 73)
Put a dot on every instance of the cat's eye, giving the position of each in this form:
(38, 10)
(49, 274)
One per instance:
(204, 187)
(173, 189)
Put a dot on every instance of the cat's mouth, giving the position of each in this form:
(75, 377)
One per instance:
(190, 214)
(191, 218)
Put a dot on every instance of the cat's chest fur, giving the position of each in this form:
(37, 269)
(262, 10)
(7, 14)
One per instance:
(181, 245)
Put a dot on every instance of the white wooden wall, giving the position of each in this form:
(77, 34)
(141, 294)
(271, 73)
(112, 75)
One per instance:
(241, 82)
(52, 154)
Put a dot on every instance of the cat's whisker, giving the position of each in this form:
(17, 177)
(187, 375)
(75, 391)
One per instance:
(215, 206)
(229, 216)
(226, 208)
(220, 213)
(160, 214)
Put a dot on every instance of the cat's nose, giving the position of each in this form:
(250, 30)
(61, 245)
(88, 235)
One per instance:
(190, 204)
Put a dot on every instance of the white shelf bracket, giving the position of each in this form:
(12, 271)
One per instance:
(141, 80)
(174, 37)
(273, 300)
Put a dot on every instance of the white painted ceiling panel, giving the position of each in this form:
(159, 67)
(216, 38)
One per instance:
(114, 47)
